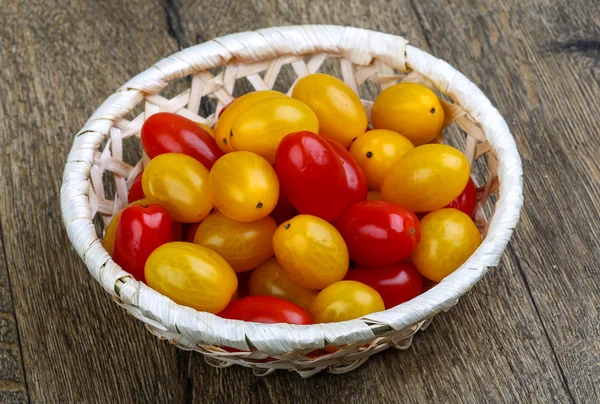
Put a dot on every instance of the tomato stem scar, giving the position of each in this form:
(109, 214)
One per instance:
(369, 154)
(287, 226)
(259, 205)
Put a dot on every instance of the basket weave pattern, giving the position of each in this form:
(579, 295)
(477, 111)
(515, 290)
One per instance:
(258, 57)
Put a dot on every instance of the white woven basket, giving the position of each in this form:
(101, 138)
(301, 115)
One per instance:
(364, 56)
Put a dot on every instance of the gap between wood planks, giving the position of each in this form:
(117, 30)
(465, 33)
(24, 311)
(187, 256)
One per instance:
(7, 384)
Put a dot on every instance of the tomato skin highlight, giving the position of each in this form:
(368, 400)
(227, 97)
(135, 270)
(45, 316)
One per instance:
(396, 283)
(355, 177)
(379, 233)
(244, 185)
(338, 108)
(266, 309)
(311, 175)
(179, 183)
(244, 245)
(311, 251)
(467, 200)
(136, 192)
(448, 238)
(140, 230)
(426, 178)
(165, 132)
(191, 275)
(345, 300)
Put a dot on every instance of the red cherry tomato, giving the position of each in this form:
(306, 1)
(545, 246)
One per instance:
(284, 210)
(467, 200)
(165, 132)
(266, 309)
(136, 192)
(379, 233)
(311, 175)
(397, 283)
(355, 178)
(141, 229)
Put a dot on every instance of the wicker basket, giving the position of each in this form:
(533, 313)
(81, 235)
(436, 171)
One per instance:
(366, 58)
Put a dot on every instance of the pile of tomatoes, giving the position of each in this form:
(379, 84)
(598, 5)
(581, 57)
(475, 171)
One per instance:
(293, 210)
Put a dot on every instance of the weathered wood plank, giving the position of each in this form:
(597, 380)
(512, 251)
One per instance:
(60, 59)
(491, 347)
(12, 378)
(545, 58)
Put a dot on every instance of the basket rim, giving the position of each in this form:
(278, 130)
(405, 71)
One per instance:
(283, 41)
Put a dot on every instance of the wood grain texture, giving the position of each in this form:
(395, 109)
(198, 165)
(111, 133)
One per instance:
(528, 332)
(60, 60)
(548, 90)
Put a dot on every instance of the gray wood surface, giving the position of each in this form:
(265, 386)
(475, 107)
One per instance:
(529, 332)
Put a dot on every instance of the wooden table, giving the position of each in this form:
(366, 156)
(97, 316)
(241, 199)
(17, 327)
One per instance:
(529, 332)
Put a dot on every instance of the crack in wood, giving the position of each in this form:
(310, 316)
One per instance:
(588, 47)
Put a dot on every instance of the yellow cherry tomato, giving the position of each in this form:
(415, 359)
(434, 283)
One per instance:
(244, 245)
(110, 232)
(410, 109)
(374, 196)
(239, 105)
(376, 150)
(270, 279)
(448, 238)
(345, 300)
(261, 126)
(179, 183)
(244, 185)
(191, 275)
(341, 114)
(207, 128)
(311, 251)
(426, 178)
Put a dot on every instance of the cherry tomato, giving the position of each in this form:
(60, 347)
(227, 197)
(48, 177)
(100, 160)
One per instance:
(340, 112)
(136, 192)
(397, 283)
(225, 107)
(191, 275)
(261, 126)
(245, 186)
(467, 200)
(378, 232)
(166, 132)
(355, 178)
(244, 245)
(345, 300)
(270, 279)
(448, 238)
(374, 196)
(426, 178)
(312, 175)
(140, 230)
(410, 109)
(311, 251)
(110, 233)
(266, 309)
(231, 112)
(180, 184)
(284, 210)
(207, 128)
(376, 151)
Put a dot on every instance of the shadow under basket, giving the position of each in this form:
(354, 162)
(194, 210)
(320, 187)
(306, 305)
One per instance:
(197, 83)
